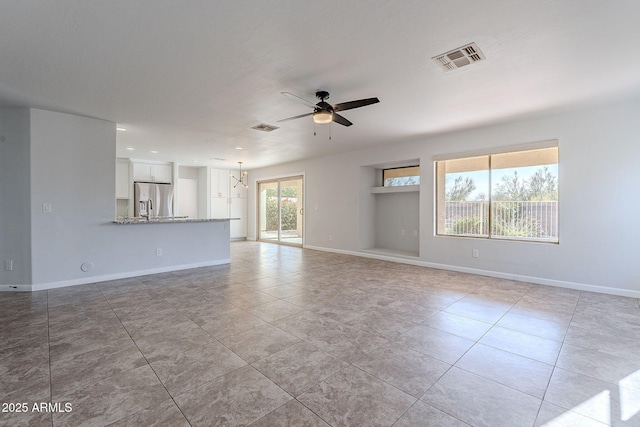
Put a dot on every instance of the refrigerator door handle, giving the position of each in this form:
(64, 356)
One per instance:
(150, 205)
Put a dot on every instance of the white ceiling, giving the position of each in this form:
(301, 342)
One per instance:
(190, 78)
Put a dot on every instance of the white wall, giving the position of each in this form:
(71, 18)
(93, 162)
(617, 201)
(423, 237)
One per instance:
(72, 167)
(15, 230)
(397, 218)
(599, 201)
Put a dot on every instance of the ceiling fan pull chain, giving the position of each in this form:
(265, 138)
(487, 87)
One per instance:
(314, 128)
(330, 127)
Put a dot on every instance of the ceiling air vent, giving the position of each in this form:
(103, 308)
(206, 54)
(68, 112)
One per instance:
(264, 127)
(459, 57)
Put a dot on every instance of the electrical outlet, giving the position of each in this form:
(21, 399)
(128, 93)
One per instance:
(158, 251)
(8, 264)
(475, 253)
(330, 236)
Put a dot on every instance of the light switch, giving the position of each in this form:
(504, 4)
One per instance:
(46, 208)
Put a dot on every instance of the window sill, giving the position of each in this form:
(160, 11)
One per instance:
(396, 189)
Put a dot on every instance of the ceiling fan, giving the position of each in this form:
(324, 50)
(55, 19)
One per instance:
(323, 112)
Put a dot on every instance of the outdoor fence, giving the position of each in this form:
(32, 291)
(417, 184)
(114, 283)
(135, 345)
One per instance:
(536, 220)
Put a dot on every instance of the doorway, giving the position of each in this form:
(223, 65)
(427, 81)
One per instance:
(281, 210)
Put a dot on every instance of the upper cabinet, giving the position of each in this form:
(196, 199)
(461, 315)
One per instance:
(219, 183)
(122, 179)
(149, 172)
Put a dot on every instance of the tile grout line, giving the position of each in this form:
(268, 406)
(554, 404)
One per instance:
(582, 296)
(555, 364)
(475, 343)
(145, 359)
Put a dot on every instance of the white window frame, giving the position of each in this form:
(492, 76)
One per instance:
(439, 218)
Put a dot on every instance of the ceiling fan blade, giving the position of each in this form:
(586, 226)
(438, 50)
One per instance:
(298, 99)
(341, 120)
(355, 104)
(295, 117)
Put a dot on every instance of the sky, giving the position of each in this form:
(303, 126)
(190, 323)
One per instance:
(481, 178)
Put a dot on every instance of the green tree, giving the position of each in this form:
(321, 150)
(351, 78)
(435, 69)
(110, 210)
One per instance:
(509, 220)
(460, 189)
(512, 188)
(470, 225)
(288, 192)
(289, 215)
(543, 185)
(284, 192)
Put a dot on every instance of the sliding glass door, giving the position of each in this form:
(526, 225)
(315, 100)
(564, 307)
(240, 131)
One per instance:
(281, 210)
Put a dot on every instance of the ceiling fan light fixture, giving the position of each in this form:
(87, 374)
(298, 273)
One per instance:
(324, 113)
(323, 117)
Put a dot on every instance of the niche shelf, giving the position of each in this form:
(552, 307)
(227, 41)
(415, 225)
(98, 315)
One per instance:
(395, 189)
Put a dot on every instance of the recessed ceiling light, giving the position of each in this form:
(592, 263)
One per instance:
(130, 148)
(121, 129)
(217, 158)
(239, 148)
(154, 151)
(196, 161)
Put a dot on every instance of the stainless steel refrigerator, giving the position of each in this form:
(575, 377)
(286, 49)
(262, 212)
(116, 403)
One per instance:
(152, 200)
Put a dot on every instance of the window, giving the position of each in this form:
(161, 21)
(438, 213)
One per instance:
(394, 177)
(511, 195)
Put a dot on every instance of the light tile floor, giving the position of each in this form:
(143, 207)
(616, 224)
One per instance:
(286, 336)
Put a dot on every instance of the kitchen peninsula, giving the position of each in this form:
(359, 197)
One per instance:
(197, 192)
(175, 219)
(61, 232)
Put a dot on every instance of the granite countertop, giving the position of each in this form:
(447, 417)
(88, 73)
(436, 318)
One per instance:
(170, 219)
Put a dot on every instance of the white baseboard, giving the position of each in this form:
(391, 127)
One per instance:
(106, 277)
(15, 288)
(497, 274)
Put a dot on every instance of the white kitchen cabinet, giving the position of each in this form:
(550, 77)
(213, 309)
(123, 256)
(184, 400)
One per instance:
(228, 202)
(219, 207)
(162, 173)
(219, 183)
(123, 184)
(239, 192)
(149, 172)
(142, 172)
(238, 209)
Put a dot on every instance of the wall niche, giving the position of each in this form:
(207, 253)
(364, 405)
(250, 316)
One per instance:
(390, 209)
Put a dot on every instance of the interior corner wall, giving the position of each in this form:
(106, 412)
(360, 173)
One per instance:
(15, 227)
(598, 178)
(367, 204)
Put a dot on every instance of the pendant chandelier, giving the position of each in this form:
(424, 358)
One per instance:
(241, 180)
